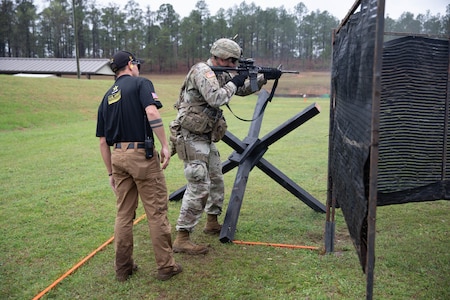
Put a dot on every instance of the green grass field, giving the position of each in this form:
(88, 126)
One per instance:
(57, 207)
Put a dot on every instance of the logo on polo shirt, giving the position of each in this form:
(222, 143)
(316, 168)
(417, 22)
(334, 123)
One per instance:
(115, 96)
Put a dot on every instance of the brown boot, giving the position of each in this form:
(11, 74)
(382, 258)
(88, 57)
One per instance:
(183, 244)
(125, 276)
(212, 226)
(166, 274)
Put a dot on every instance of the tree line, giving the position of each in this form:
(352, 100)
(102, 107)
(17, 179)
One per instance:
(168, 43)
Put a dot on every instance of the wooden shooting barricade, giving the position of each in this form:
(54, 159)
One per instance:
(389, 125)
(249, 153)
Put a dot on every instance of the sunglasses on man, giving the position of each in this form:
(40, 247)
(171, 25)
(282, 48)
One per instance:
(137, 63)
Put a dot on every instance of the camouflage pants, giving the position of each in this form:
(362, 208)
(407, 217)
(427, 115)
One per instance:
(205, 187)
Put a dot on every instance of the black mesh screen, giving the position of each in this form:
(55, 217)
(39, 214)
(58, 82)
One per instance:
(351, 110)
(414, 138)
(414, 134)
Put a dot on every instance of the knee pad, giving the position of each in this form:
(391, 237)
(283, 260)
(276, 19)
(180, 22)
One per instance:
(196, 172)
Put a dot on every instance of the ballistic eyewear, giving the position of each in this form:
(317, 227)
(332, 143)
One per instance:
(137, 63)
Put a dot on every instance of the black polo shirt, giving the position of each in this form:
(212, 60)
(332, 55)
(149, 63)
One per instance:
(121, 113)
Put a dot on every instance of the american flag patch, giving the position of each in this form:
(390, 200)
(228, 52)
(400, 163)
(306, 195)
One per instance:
(210, 74)
(154, 96)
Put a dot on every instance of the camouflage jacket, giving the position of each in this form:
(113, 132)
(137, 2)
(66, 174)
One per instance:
(204, 87)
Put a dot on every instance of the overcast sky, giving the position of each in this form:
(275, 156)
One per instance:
(337, 8)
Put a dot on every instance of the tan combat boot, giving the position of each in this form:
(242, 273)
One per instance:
(212, 226)
(183, 244)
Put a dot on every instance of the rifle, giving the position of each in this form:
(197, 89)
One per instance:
(247, 67)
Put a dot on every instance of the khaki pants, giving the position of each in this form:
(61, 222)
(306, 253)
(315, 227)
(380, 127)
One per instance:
(137, 176)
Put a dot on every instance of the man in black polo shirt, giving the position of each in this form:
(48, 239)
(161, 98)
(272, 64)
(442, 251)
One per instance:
(128, 117)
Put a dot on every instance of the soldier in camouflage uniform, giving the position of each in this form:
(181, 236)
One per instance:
(199, 124)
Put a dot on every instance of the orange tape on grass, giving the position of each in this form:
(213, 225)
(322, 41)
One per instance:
(276, 245)
(80, 263)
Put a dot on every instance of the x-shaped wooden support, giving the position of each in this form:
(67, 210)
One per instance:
(248, 154)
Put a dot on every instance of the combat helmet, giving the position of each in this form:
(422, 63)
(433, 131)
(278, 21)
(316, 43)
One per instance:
(226, 48)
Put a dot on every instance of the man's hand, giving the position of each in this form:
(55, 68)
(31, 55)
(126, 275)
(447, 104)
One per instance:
(165, 157)
(112, 183)
(239, 80)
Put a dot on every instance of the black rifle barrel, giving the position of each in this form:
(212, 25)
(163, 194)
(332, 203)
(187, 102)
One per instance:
(246, 69)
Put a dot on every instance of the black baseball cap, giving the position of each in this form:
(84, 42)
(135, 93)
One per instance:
(121, 59)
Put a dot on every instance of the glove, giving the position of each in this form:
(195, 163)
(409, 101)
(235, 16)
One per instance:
(239, 80)
(272, 74)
